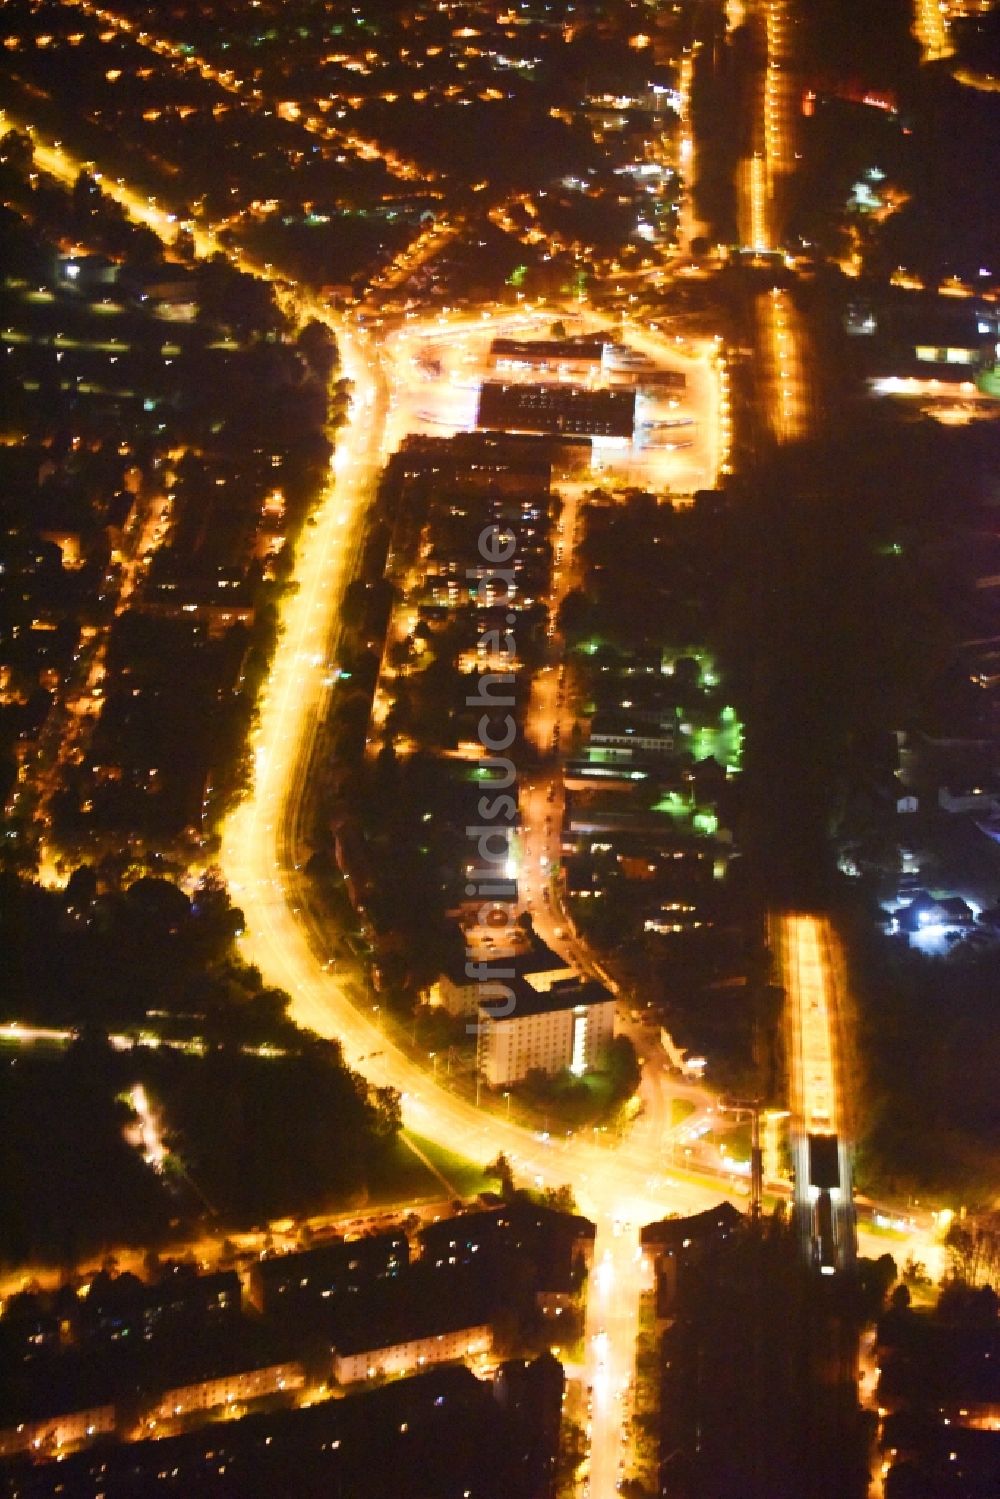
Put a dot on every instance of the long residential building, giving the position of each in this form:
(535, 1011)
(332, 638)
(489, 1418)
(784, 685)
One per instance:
(368, 1358)
(51, 1436)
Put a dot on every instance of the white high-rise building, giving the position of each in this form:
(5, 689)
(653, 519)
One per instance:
(567, 1024)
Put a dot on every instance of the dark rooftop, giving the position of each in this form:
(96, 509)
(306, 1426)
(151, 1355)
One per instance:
(557, 409)
(565, 994)
(673, 1233)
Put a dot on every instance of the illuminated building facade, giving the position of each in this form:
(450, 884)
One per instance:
(568, 1024)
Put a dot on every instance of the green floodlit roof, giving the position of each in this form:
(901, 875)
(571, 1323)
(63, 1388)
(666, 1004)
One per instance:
(476, 771)
(673, 804)
(702, 820)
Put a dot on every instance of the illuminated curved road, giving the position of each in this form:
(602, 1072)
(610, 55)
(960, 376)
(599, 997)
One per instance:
(620, 1184)
(288, 934)
(290, 938)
